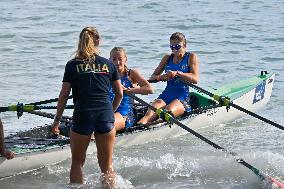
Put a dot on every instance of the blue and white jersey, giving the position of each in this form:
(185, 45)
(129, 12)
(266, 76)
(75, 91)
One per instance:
(176, 86)
(126, 105)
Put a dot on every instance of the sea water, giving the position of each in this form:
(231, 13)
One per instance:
(233, 39)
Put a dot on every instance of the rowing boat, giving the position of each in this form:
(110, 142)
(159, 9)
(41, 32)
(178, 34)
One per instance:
(36, 148)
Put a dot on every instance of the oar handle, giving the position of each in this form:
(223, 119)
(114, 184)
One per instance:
(153, 80)
(3, 109)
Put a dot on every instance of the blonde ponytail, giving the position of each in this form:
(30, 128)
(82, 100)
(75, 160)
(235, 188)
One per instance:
(88, 43)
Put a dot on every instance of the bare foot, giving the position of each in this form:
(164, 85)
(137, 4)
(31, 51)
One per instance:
(108, 179)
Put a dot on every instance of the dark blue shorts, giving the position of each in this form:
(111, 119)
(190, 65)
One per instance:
(129, 119)
(168, 98)
(89, 128)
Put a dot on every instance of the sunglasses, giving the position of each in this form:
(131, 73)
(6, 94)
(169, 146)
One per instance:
(176, 47)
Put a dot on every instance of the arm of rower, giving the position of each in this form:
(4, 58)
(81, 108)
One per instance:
(144, 87)
(193, 75)
(62, 100)
(159, 70)
(117, 88)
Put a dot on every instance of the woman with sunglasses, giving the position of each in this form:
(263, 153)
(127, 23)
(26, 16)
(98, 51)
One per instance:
(180, 67)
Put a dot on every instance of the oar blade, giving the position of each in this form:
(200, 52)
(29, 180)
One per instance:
(3, 109)
(273, 183)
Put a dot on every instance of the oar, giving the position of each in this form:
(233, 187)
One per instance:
(69, 97)
(27, 107)
(169, 118)
(20, 108)
(65, 119)
(47, 101)
(34, 105)
(226, 101)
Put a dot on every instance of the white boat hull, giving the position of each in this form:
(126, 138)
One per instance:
(34, 160)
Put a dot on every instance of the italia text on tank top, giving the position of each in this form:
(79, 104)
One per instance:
(175, 85)
(126, 104)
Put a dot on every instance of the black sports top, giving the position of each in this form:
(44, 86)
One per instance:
(90, 82)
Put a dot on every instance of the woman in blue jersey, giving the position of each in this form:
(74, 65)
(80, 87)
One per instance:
(179, 66)
(90, 77)
(133, 82)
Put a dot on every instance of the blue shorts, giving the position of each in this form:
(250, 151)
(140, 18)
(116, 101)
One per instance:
(89, 128)
(168, 98)
(129, 118)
